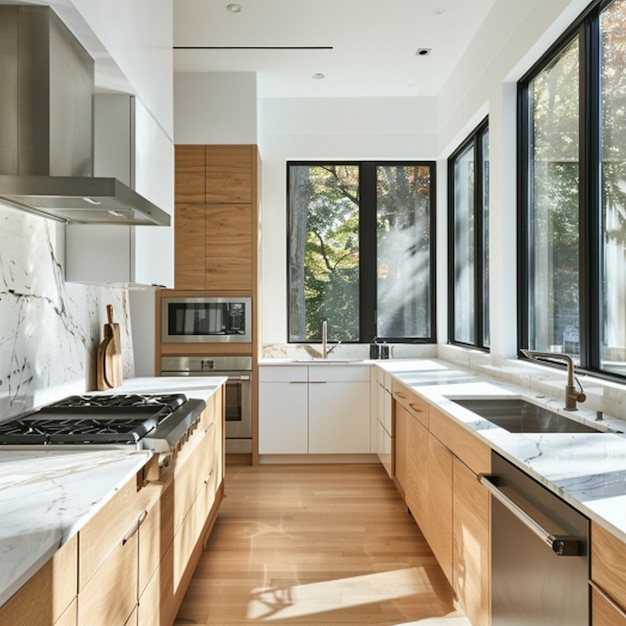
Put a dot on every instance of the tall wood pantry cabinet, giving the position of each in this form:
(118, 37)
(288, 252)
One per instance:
(216, 217)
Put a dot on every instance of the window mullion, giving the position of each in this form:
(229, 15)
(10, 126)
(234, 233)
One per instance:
(368, 254)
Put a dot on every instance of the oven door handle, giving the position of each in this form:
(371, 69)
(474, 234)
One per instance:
(560, 545)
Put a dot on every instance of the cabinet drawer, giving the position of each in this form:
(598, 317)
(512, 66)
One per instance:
(608, 564)
(283, 374)
(604, 612)
(465, 446)
(415, 405)
(110, 596)
(104, 533)
(48, 594)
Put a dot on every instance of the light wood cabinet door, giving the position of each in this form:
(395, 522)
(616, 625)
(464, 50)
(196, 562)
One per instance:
(189, 169)
(604, 612)
(417, 471)
(190, 246)
(49, 596)
(438, 526)
(471, 560)
(229, 232)
(608, 572)
(230, 173)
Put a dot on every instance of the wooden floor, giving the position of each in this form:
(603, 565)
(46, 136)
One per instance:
(316, 544)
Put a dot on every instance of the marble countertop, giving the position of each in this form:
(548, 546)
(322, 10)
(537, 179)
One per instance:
(47, 495)
(586, 470)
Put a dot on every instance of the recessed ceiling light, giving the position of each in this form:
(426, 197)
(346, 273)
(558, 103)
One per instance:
(233, 8)
(317, 75)
(438, 10)
(423, 52)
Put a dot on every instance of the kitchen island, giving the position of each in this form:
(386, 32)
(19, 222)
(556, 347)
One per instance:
(50, 494)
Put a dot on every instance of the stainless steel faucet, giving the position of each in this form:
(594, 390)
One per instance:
(571, 395)
(325, 349)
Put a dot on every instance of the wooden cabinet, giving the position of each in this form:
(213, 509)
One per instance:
(320, 409)
(216, 217)
(608, 572)
(436, 465)
(471, 560)
(49, 597)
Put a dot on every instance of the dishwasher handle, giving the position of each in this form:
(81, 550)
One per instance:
(560, 545)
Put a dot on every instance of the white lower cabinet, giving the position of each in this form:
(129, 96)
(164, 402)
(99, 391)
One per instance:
(283, 410)
(316, 409)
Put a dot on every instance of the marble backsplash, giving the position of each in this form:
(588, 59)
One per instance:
(49, 329)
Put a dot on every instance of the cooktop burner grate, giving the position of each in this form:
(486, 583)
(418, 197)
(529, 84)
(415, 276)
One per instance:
(92, 419)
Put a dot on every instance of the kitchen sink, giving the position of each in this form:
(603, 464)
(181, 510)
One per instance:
(519, 416)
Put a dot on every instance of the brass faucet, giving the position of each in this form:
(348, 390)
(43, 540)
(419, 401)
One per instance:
(571, 395)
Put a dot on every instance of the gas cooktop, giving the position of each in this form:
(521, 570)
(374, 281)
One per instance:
(92, 419)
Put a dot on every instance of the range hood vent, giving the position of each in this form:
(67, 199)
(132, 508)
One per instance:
(46, 122)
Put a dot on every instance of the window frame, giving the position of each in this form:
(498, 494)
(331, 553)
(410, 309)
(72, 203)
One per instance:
(587, 28)
(368, 241)
(473, 140)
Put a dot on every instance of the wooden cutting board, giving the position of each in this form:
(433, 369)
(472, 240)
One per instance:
(109, 357)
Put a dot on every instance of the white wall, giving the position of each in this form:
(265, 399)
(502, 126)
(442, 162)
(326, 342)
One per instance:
(512, 38)
(218, 108)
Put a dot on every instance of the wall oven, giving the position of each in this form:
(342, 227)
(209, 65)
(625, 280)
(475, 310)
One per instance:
(206, 320)
(238, 371)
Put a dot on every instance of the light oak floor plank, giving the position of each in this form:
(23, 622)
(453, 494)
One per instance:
(316, 544)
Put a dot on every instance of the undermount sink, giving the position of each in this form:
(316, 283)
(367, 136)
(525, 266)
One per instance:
(519, 416)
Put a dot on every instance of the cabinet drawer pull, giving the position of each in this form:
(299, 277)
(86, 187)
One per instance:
(317, 382)
(297, 382)
(607, 598)
(416, 407)
(208, 478)
(399, 394)
(140, 520)
(208, 428)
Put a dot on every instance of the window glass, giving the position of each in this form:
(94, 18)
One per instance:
(613, 186)
(323, 252)
(468, 241)
(464, 254)
(361, 252)
(485, 236)
(554, 205)
(403, 251)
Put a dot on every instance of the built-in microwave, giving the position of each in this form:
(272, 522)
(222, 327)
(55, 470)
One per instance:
(206, 320)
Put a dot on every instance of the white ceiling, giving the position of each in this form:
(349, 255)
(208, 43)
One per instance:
(365, 48)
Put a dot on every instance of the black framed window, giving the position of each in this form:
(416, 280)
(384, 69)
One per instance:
(361, 251)
(572, 204)
(468, 241)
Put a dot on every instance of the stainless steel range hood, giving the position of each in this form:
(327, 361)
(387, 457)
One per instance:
(46, 125)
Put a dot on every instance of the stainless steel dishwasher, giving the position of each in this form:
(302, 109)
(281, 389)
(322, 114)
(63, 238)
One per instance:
(539, 553)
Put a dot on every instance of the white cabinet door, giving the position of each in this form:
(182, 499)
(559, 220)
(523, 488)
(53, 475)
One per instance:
(339, 417)
(283, 410)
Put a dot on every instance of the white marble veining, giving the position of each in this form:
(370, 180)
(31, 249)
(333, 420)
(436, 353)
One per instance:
(50, 329)
(47, 496)
(586, 470)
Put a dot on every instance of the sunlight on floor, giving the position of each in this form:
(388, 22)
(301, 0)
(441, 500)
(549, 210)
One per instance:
(282, 600)
(456, 618)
